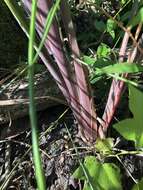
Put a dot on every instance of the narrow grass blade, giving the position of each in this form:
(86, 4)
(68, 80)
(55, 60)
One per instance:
(35, 140)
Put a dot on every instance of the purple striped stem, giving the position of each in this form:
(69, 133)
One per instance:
(72, 79)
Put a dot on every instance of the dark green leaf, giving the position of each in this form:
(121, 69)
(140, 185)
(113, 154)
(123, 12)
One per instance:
(125, 16)
(100, 26)
(137, 19)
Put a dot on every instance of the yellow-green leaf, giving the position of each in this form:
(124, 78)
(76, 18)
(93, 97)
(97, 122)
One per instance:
(138, 186)
(132, 129)
(104, 146)
(101, 176)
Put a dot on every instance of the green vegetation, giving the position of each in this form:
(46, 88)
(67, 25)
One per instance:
(110, 46)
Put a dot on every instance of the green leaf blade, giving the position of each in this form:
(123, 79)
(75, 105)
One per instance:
(102, 176)
(120, 68)
(132, 129)
(138, 186)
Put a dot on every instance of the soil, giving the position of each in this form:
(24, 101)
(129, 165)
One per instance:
(58, 156)
(13, 40)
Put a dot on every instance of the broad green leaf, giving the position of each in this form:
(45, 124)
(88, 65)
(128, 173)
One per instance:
(119, 68)
(89, 60)
(103, 50)
(110, 26)
(99, 63)
(101, 176)
(112, 34)
(95, 62)
(132, 129)
(104, 146)
(138, 186)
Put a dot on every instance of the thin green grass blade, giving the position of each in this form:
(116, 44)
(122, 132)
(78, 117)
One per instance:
(50, 128)
(48, 22)
(124, 79)
(116, 76)
(18, 13)
(35, 140)
(19, 16)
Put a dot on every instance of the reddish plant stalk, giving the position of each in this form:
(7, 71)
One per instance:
(117, 86)
(89, 124)
(44, 55)
(115, 90)
(56, 49)
(75, 91)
